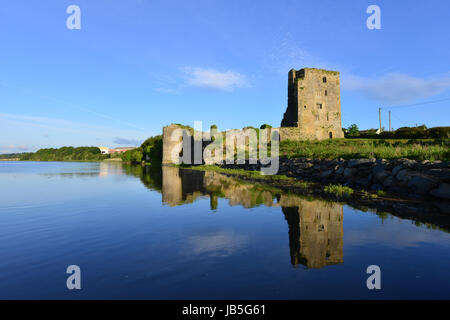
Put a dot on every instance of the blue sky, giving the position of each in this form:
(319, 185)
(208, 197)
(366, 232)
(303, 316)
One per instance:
(135, 66)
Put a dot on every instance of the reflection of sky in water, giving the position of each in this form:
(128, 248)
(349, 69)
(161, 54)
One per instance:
(215, 243)
(393, 232)
(129, 245)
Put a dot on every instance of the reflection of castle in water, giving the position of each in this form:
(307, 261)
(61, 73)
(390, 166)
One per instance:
(315, 233)
(315, 227)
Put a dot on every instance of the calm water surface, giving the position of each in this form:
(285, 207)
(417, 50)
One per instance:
(145, 233)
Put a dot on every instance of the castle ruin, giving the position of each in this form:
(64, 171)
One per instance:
(313, 113)
(314, 105)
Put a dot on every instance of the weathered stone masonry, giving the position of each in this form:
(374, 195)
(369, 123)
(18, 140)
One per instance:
(313, 111)
(314, 105)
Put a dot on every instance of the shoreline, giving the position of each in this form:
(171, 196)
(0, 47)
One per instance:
(105, 160)
(424, 210)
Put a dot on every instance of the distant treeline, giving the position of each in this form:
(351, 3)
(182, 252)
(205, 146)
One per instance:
(420, 132)
(65, 154)
(150, 151)
(7, 156)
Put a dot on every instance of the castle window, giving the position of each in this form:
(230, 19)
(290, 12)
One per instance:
(326, 92)
(305, 107)
(331, 135)
(319, 106)
(324, 79)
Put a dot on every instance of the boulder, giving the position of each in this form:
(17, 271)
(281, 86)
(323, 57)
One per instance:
(378, 168)
(376, 187)
(360, 162)
(397, 169)
(350, 172)
(442, 174)
(443, 191)
(380, 176)
(340, 170)
(388, 182)
(440, 165)
(362, 181)
(421, 184)
(327, 173)
(404, 177)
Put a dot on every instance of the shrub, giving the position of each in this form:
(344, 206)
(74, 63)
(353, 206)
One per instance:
(152, 149)
(381, 193)
(353, 131)
(338, 190)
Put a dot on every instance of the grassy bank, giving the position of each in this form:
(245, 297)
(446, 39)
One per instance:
(252, 175)
(430, 149)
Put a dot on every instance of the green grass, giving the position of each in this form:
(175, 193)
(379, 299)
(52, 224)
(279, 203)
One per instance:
(381, 193)
(338, 190)
(368, 148)
(256, 175)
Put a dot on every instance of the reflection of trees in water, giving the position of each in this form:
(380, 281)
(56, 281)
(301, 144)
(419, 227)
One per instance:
(315, 227)
(150, 176)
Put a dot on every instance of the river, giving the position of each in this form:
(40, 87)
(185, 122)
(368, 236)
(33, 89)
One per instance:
(151, 233)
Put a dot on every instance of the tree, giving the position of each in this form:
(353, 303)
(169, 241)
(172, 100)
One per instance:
(353, 130)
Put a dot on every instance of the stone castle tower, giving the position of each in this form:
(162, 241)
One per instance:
(314, 104)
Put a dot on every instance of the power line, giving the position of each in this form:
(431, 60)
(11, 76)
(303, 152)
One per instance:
(418, 104)
(407, 106)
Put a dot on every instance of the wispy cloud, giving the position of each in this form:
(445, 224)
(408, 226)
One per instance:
(214, 79)
(215, 243)
(396, 88)
(288, 53)
(59, 132)
(13, 149)
(128, 142)
(203, 78)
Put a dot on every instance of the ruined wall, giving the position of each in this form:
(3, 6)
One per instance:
(313, 113)
(314, 105)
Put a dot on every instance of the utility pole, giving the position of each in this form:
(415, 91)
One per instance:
(379, 116)
(390, 121)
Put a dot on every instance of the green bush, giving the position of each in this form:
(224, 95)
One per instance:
(338, 190)
(353, 131)
(420, 132)
(439, 133)
(152, 149)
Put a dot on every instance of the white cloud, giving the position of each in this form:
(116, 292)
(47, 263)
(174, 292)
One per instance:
(396, 88)
(214, 79)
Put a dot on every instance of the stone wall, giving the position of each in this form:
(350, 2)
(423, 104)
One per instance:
(401, 176)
